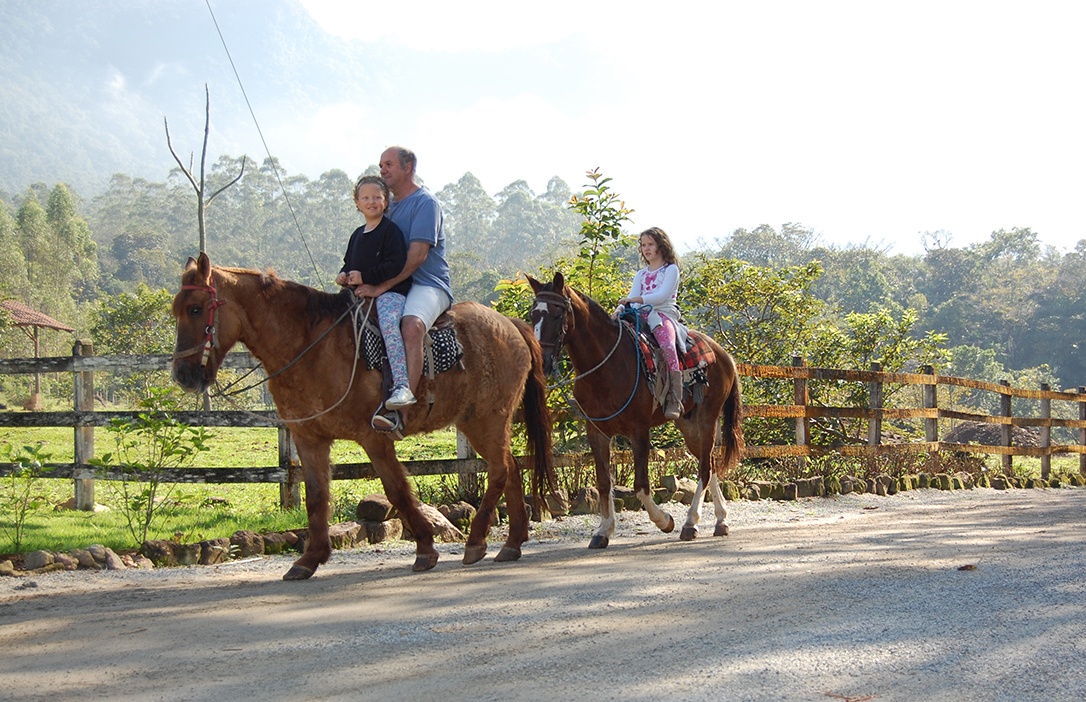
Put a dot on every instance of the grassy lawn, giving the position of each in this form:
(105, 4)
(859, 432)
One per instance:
(193, 511)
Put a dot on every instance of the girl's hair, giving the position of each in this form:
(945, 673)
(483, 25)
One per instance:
(662, 243)
(375, 180)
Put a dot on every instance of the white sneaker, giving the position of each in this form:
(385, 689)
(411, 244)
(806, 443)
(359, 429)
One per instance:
(401, 397)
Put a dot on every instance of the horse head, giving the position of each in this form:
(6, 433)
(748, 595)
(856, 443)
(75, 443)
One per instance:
(199, 349)
(552, 318)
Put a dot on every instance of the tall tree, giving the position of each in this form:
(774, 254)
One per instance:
(13, 280)
(72, 249)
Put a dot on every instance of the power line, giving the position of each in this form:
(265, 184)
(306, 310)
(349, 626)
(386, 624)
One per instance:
(271, 160)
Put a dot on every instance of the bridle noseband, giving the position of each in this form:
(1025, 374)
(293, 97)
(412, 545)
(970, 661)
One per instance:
(211, 331)
(552, 300)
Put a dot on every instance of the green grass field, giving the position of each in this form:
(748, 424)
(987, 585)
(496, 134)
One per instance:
(194, 511)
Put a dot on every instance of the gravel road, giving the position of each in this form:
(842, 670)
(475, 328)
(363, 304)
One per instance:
(847, 598)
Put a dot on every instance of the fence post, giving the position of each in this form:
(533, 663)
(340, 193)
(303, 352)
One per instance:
(1082, 432)
(931, 424)
(874, 424)
(469, 479)
(83, 399)
(290, 490)
(1046, 433)
(1005, 429)
(803, 397)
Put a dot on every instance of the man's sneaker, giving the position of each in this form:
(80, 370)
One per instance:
(401, 397)
(383, 421)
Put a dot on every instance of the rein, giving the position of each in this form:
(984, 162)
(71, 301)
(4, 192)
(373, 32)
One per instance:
(211, 341)
(357, 315)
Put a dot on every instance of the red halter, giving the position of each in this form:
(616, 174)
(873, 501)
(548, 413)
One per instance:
(211, 340)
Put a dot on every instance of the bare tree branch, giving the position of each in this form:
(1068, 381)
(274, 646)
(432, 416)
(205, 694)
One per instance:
(180, 165)
(214, 194)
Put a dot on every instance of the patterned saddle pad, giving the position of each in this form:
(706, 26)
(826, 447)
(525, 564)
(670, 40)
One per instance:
(441, 349)
(698, 355)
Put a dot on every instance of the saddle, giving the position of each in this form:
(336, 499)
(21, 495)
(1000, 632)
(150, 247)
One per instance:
(699, 356)
(441, 350)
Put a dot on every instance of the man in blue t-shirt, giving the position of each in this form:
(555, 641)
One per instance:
(417, 213)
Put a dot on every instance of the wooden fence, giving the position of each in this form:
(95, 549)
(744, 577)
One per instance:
(83, 419)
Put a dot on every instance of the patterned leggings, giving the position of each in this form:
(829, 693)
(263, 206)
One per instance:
(389, 311)
(665, 336)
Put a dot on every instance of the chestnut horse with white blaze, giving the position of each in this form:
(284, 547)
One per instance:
(614, 395)
(322, 391)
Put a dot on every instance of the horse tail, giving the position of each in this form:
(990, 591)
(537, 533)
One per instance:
(537, 420)
(732, 424)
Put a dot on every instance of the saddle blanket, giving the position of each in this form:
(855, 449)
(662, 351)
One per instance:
(441, 349)
(698, 354)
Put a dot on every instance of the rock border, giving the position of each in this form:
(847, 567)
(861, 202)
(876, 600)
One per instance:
(382, 524)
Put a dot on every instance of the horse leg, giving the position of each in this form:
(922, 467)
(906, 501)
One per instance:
(700, 436)
(642, 489)
(317, 472)
(601, 452)
(393, 475)
(719, 506)
(490, 437)
(496, 474)
(518, 514)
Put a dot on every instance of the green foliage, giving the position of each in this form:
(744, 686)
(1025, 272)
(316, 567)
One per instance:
(602, 214)
(23, 493)
(758, 314)
(137, 322)
(145, 446)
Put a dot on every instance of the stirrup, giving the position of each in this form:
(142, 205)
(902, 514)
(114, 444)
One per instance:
(388, 422)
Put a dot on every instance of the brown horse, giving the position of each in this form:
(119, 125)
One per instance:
(305, 341)
(614, 395)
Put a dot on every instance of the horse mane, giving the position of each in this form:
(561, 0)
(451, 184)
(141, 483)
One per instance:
(594, 308)
(316, 305)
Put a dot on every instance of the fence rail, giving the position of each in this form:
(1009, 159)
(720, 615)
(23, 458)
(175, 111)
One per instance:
(84, 419)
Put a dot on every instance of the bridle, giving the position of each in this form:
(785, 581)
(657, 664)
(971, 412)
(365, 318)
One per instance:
(552, 300)
(211, 331)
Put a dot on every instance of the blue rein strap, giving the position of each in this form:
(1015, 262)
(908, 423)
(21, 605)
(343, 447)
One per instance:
(636, 314)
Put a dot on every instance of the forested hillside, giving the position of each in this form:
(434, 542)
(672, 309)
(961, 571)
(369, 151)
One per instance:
(1005, 308)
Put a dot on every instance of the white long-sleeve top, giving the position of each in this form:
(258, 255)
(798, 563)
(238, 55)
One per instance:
(660, 288)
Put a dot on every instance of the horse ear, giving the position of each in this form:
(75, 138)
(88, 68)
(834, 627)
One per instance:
(203, 264)
(536, 285)
(559, 281)
(190, 264)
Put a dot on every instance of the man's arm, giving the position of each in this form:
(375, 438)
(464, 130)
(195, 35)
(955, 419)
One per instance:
(416, 255)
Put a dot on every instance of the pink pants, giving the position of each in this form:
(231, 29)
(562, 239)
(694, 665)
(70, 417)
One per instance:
(665, 336)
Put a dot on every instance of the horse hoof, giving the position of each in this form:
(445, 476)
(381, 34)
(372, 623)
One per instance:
(721, 530)
(689, 533)
(424, 561)
(670, 525)
(474, 554)
(299, 572)
(599, 542)
(508, 553)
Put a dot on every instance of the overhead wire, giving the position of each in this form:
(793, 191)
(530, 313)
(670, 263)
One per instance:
(271, 160)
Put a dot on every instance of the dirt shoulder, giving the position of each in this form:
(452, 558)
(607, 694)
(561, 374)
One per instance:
(818, 599)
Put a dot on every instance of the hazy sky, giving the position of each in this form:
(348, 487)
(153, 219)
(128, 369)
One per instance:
(870, 122)
(866, 121)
